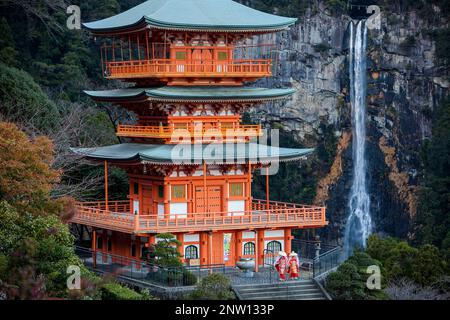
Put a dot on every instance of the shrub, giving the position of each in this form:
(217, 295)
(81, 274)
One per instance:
(349, 281)
(213, 287)
(114, 291)
(424, 265)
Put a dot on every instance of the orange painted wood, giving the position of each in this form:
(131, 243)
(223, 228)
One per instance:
(147, 200)
(213, 201)
(279, 215)
(217, 248)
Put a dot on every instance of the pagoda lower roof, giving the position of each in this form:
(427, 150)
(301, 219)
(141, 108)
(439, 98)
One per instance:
(191, 15)
(192, 154)
(191, 94)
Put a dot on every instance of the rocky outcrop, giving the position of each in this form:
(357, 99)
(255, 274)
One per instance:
(404, 87)
(336, 171)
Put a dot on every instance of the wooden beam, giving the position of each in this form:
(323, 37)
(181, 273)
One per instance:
(94, 248)
(106, 186)
(267, 188)
(205, 190)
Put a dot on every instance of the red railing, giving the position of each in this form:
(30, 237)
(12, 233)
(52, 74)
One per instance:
(204, 133)
(278, 215)
(173, 68)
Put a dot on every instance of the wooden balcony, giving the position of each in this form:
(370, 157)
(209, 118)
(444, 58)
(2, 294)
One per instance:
(262, 215)
(235, 133)
(167, 69)
(175, 63)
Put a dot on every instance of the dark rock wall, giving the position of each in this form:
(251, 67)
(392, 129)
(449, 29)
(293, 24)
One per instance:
(404, 86)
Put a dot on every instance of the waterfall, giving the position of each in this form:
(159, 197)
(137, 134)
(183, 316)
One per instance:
(359, 223)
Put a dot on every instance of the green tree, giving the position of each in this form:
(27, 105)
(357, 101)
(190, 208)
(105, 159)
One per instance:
(432, 222)
(8, 53)
(424, 265)
(22, 100)
(349, 280)
(166, 251)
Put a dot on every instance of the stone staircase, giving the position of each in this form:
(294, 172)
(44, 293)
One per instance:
(290, 290)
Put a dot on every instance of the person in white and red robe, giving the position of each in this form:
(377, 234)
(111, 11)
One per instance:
(281, 264)
(293, 266)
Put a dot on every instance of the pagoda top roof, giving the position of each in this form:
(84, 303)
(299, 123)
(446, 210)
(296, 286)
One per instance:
(191, 15)
(192, 94)
(192, 154)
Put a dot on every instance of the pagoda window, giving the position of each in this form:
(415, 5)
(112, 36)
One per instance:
(180, 55)
(249, 248)
(133, 250)
(99, 243)
(161, 191)
(135, 188)
(222, 55)
(191, 252)
(109, 244)
(274, 246)
(179, 192)
(236, 189)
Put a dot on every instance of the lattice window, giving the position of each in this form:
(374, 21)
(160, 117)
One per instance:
(236, 189)
(222, 55)
(180, 55)
(249, 248)
(179, 192)
(99, 243)
(274, 246)
(191, 252)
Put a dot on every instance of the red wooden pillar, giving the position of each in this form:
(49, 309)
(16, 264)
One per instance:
(205, 190)
(166, 200)
(238, 246)
(267, 188)
(210, 244)
(259, 248)
(248, 207)
(287, 240)
(94, 248)
(106, 186)
(203, 248)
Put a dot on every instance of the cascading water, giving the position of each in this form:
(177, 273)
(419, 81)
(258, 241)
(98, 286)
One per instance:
(359, 223)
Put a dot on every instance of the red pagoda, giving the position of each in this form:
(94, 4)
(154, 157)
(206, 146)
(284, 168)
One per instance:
(189, 159)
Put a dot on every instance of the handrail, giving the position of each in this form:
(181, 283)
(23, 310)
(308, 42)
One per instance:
(170, 131)
(142, 270)
(278, 214)
(168, 67)
(331, 260)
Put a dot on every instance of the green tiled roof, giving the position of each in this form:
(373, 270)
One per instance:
(192, 154)
(214, 15)
(172, 93)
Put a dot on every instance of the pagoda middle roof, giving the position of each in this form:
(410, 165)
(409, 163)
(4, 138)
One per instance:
(188, 154)
(192, 15)
(191, 94)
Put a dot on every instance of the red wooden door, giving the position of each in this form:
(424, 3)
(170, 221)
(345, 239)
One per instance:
(147, 200)
(213, 199)
(217, 248)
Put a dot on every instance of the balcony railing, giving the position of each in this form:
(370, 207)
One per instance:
(168, 61)
(174, 133)
(262, 215)
(167, 68)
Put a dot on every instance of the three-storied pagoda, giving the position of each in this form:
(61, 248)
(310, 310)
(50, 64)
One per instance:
(188, 157)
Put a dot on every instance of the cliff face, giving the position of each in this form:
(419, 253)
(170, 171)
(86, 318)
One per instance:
(404, 86)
